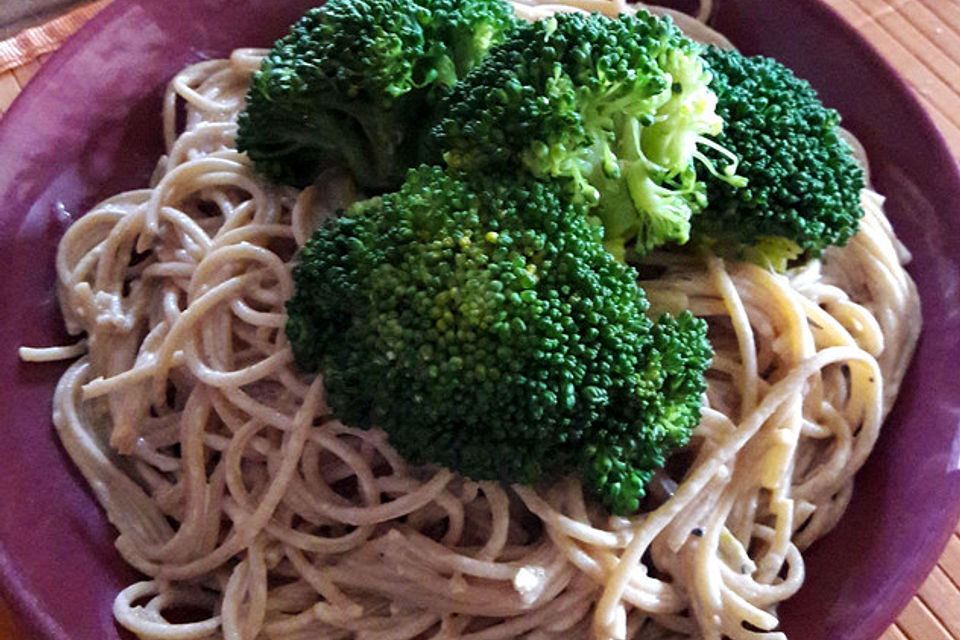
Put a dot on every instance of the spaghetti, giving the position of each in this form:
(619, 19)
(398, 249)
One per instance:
(237, 494)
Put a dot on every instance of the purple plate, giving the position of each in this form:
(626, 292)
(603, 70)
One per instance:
(88, 125)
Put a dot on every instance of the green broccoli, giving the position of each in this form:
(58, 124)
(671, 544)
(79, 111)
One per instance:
(483, 325)
(803, 183)
(615, 107)
(355, 83)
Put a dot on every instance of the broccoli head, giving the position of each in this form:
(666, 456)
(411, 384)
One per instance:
(355, 82)
(803, 183)
(614, 107)
(483, 325)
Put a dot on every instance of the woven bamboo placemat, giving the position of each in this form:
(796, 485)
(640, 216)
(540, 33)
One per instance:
(921, 38)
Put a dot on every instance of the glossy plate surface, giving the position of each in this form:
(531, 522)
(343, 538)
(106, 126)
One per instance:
(88, 126)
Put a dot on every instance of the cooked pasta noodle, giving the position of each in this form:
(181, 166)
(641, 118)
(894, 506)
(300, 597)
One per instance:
(239, 497)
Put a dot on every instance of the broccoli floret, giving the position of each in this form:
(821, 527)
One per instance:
(355, 83)
(615, 107)
(677, 360)
(483, 325)
(803, 183)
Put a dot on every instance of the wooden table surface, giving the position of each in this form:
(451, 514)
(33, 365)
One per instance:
(921, 38)
(16, 15)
